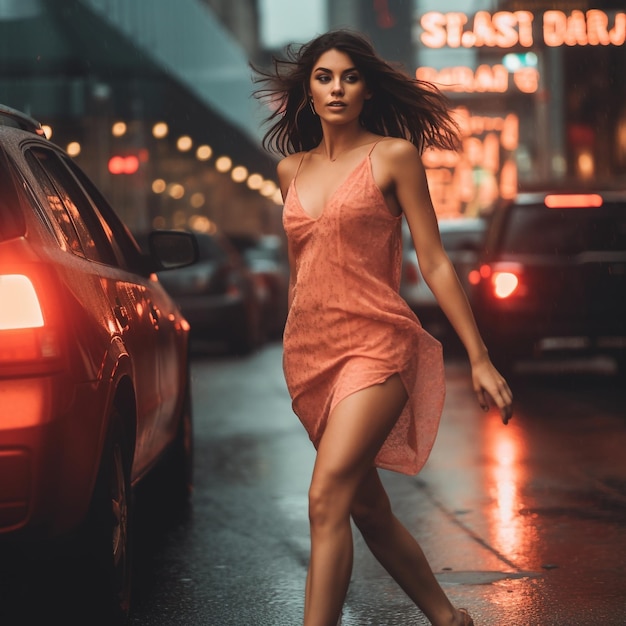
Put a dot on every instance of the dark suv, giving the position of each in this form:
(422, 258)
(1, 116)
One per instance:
(552, 276)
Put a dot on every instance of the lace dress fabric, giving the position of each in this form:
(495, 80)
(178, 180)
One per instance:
(348, 328)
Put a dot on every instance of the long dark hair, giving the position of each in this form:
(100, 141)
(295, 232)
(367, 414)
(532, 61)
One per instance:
(400, 106)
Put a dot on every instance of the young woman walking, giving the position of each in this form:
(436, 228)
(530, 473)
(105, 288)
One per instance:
(365, 379)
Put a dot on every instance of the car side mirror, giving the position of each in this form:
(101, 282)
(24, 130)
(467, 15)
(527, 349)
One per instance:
(173, 248)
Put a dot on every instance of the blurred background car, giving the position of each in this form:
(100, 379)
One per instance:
(462, 238)
(552, 276)
(94, 377)
(218, 295)
(266, 258)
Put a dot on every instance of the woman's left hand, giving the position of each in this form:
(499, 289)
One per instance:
(488, 384)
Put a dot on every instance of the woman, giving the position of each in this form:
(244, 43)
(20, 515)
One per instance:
(366, 380)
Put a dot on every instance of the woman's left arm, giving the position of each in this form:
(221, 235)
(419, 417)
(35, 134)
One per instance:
(407, 178)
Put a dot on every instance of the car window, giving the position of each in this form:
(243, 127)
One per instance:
(537, 230)
(56, 208)
(50, 224)
(119, 237)
(71, 207)
(454, 240)
(11, 217)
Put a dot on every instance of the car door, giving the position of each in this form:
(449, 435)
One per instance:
(168, 327)
(128, 312)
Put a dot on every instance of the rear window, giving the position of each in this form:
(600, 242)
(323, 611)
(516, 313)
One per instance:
(470, 239)
(11, 217)
(539, 230)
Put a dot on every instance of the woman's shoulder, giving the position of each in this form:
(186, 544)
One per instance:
(289, 164)
(397, 148)
(394, 156)
(287, 167)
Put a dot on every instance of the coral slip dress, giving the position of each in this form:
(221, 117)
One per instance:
(348, 328)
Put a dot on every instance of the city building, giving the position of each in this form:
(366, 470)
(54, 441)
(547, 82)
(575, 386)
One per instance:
(538, 88)
(152, 99)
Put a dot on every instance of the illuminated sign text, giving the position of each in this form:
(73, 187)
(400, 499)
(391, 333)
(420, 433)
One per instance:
(484, 79)
(507, 29)
(468, 182)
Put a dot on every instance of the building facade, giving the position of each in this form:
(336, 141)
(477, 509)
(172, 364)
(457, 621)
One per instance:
(153, 98)
(537, 87)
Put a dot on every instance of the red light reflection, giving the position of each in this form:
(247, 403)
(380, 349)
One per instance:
(510, 532)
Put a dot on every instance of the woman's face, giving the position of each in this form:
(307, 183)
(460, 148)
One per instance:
(338, 89)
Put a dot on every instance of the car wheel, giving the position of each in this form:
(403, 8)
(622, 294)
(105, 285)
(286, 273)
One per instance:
(107, 538)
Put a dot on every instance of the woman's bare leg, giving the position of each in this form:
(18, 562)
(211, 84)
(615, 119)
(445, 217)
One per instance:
(399, 553)
(356, 429)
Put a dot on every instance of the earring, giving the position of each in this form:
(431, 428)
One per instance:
(311, 105)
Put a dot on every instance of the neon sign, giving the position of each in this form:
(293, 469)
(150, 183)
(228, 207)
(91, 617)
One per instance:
(504, 29)
(484, 79)
(468, 182)
(507, 29)
(579, 29)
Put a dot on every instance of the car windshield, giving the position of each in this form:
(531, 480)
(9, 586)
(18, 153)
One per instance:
(538, 230)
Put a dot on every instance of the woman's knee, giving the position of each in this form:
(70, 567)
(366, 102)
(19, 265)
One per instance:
(318, 504)
(328, 502)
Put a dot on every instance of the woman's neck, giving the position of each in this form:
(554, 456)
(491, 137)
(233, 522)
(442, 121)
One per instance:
(338, 141)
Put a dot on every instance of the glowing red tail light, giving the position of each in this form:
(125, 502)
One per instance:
(24, 335)
(504, 284)
(20, 306)
(473, 277)
(573, 201)
(505, 280)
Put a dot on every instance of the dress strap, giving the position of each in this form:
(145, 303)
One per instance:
(299, 165)
(373, 146)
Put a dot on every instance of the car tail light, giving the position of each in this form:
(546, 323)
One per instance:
(573, 201)
(473, 278)
(21, 307)
(25, 337)
(505, 280)
(504, 284)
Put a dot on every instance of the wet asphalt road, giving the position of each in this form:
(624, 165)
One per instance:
(523, 524)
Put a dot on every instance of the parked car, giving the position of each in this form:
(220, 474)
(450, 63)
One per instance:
(552, 276)
(462, 238)
(218, 295)
(266, 258)
(94, 380)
